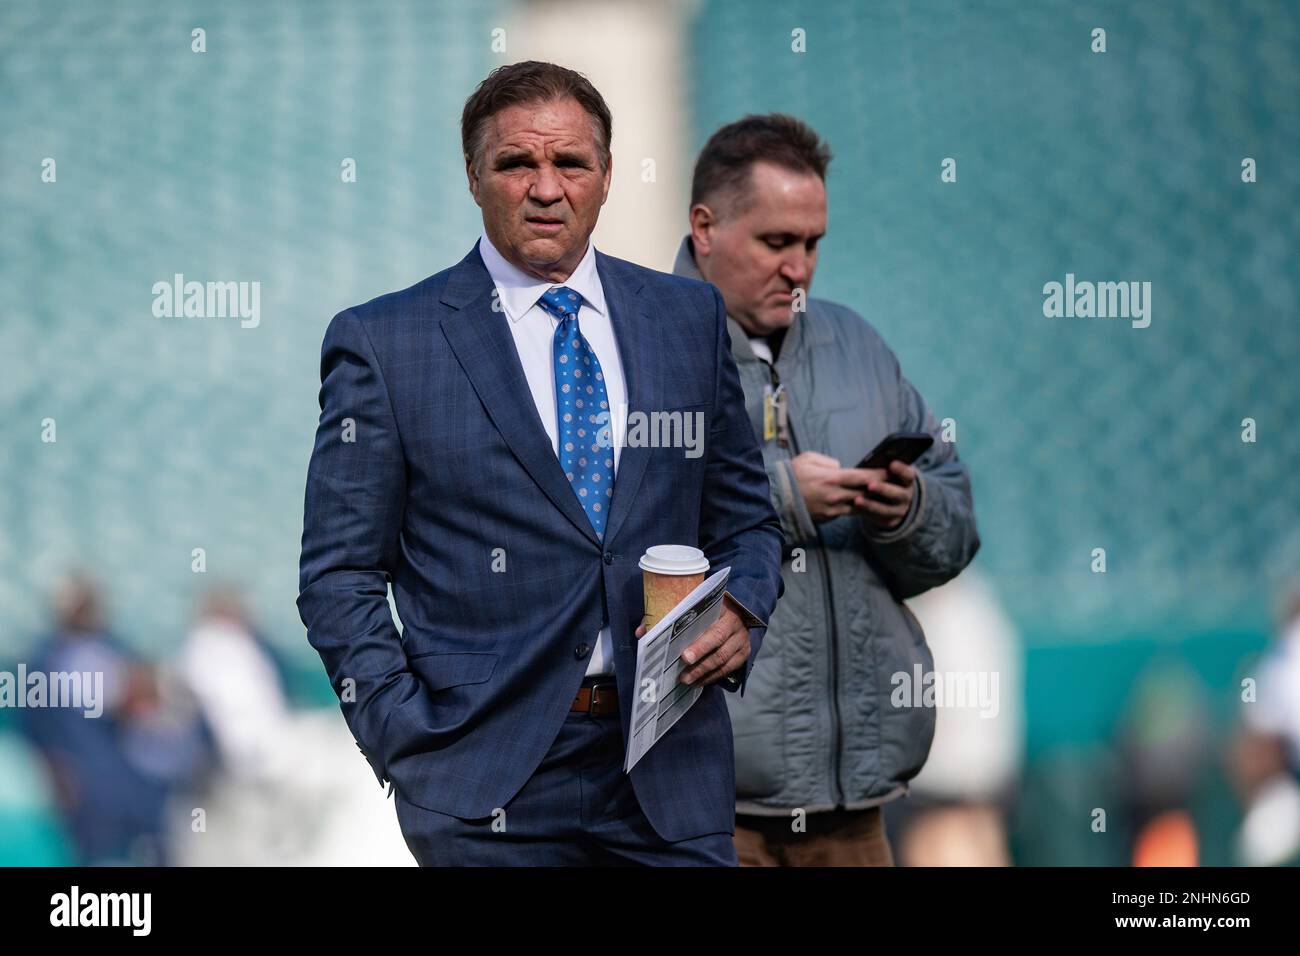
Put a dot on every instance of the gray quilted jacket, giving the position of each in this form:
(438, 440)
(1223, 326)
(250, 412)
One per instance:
(816, 728)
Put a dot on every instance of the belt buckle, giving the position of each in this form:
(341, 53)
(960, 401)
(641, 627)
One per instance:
(591, 702)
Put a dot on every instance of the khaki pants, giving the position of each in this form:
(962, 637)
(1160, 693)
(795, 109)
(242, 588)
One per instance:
(832, 838)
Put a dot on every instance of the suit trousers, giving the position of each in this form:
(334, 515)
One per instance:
(577, 809)
(831, 838)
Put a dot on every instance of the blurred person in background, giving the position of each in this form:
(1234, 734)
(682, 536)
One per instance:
(1265, 757)
(238, 683)
(1162, 740)
(816, 732)
(956, 809)
(252, 791)
(275, 794)
(111, 774)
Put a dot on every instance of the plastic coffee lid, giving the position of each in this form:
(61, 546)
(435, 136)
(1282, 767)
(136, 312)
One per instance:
(673, 559)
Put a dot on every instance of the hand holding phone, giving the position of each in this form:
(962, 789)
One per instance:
(900, 446)
(887, 500)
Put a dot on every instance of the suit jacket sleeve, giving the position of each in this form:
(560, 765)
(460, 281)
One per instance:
(738, 526)
(356, 490)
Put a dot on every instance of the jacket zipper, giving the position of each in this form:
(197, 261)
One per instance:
(836, 793)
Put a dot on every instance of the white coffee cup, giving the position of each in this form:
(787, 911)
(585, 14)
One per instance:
(669, 572)
(674, 559)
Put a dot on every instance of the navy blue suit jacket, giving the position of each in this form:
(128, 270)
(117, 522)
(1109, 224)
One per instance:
(431, 466)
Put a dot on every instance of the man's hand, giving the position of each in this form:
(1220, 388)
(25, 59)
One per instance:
(822, 485)
(719, 651)
(889, 493)
(882, 495)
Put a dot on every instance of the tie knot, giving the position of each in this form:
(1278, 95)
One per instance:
(561, 301)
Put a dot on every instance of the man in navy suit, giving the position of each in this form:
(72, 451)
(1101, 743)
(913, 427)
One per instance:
(464, 456)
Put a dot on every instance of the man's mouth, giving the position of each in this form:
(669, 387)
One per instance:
(545, 221)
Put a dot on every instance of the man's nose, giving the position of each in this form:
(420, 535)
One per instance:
(546, 186)
(797, 268)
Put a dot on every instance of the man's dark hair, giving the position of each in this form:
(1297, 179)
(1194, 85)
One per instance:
(532, 82)
(777, 138)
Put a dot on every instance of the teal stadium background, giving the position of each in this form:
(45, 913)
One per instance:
(175, 433)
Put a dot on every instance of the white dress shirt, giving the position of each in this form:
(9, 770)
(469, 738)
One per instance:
(533, 329)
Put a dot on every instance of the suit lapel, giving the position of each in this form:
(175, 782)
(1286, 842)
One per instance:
(642, 374)
(486, 351)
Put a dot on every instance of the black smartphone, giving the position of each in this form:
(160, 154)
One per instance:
(900, 446)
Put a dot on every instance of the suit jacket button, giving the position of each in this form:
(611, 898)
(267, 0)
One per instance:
(581, 651)
(609, 557)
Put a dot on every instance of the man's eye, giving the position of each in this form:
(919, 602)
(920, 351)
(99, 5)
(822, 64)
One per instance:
(775, 243)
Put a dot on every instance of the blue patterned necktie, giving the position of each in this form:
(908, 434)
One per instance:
(580, 399)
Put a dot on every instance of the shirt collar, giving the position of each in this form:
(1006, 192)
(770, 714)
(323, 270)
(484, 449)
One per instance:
(520, 291)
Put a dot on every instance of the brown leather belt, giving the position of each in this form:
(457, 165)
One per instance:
(599, 697)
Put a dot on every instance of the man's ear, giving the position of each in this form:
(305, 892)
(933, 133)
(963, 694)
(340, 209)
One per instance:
(609, 175)
(703, 221)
